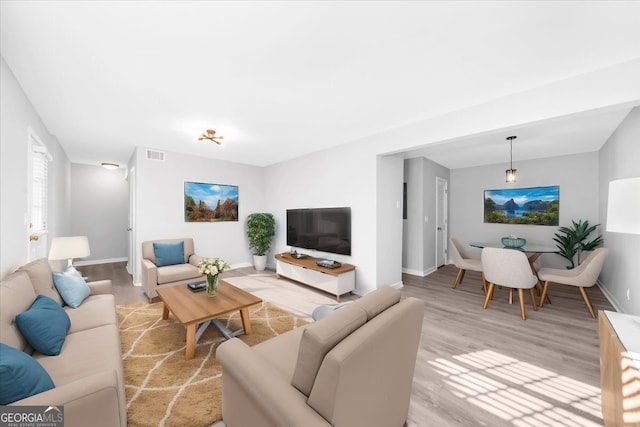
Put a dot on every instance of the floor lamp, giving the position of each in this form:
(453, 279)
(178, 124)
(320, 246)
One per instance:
(623, 207)
(69, 248)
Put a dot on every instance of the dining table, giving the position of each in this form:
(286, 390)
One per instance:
(533, 252)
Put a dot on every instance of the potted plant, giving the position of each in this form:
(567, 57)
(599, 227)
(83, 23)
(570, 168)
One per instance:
(261, 227)
(572, 241)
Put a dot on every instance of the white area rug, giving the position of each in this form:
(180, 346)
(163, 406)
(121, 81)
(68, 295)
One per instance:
(296, 298)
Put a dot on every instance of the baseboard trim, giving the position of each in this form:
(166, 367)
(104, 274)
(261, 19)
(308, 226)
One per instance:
(420, 273)
(100, 261)
(397, 285)
(242, 265)
(609, 297)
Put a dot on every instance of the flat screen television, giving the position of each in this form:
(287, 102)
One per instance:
(321, 229)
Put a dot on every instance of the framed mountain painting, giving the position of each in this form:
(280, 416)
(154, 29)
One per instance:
(532, 206)
(210, 202)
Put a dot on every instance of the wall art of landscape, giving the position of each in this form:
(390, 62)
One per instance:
(210, 202)
(532, 206)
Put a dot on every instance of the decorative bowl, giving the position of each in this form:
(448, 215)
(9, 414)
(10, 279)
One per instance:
(511, 242)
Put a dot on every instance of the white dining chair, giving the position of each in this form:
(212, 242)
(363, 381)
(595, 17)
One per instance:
(509, 268)
(583, 276)
(465, 259)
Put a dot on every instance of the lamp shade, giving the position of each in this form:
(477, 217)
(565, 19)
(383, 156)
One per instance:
(623, 207)
(69, 247)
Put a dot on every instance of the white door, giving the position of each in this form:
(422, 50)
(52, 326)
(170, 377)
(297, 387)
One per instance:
(441, 222)
(132, 264)
(38, 159)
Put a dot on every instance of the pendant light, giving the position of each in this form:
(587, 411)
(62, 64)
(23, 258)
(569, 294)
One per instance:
(511, 172)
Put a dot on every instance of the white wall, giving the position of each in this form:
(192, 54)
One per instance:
(577, 176)
(160, 204)
(341, 176)
(388, 207)
(16, 116)
(99, 210)
(620, 158)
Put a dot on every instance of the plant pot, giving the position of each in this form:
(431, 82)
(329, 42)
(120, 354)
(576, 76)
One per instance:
(259, 262)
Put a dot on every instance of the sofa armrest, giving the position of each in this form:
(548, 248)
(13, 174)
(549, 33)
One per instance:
(92, 400)
(253, 390)
(195, 259)
(149, 277)
(100, 287)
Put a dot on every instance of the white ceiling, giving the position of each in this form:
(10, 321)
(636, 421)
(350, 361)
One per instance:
(282, 79)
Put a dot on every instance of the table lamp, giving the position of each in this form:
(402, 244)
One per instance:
(623, 207)
(69, 248)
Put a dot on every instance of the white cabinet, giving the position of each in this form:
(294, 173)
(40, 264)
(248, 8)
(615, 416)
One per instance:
(336, 281)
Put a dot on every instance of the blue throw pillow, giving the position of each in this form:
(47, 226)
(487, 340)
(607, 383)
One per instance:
(44, 325)
(168, 253)
(21, 375)
(71, 287)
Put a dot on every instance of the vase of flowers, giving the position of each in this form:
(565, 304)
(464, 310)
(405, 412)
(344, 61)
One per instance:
(212, 267)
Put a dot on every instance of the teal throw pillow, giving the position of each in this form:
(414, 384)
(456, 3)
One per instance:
(44, 325)
(71, 286)
(168, 253)
(21, 375)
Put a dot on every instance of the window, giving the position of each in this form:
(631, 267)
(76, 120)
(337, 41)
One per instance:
(39, 191)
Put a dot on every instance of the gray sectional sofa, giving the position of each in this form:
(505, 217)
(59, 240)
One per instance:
(88, 372)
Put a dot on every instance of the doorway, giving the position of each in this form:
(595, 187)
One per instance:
(441, 221)
(132, 263)
(37, 196)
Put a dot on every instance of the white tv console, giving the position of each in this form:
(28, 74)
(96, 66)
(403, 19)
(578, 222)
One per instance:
(336, 281)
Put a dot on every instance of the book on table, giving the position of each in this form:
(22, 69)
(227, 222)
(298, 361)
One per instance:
(197, 286)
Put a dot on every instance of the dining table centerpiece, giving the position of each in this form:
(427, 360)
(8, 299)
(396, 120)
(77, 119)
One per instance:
(513, 241)
(212, 268)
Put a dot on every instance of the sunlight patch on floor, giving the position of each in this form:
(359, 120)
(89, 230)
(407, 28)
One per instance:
(520, 392)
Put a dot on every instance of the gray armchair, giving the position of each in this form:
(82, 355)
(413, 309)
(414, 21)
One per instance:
(154, 276)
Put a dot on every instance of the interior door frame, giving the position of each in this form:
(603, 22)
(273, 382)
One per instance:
(35, 247)
(442, 241)
(131, 230)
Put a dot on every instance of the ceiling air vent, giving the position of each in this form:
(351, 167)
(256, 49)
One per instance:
(155, 155)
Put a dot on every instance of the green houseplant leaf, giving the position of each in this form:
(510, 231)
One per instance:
(261, 227)
(572, 241)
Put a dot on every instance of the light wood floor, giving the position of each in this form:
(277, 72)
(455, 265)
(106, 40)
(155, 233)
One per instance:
(488, 367)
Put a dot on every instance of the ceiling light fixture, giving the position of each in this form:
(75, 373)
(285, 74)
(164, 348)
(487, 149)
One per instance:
(210, 134)
(511, 172)
(110, 166)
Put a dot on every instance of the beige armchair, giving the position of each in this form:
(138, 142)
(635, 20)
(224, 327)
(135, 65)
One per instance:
(154, 276)
(352, 368)
(583, 276)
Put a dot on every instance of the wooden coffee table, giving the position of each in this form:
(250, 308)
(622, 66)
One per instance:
(197, 310)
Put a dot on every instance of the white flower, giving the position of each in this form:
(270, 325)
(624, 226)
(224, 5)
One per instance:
(212, 266)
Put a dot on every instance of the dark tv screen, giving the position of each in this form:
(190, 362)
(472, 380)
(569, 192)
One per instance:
(321, 229)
